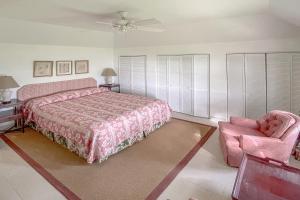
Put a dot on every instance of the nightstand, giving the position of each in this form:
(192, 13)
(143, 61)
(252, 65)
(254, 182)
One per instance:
(110, 86)
(12, 114)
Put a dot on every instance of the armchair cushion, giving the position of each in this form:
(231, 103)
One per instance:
(274, 124)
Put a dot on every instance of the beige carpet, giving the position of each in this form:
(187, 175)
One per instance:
(131, 174)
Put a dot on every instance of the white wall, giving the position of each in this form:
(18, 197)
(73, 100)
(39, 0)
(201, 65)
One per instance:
(217, 51)
(17, 60)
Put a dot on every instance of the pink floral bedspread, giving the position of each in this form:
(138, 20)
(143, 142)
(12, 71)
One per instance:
(96, 120)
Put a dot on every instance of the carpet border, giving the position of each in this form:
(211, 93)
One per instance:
(66, 192)
(156, 192)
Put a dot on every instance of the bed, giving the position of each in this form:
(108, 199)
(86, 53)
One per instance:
(95, 123)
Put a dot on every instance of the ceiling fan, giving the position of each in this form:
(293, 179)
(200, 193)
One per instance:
(125, 24)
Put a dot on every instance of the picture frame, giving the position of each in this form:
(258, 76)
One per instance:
(42, 68)
(63, 67)
(81, 66)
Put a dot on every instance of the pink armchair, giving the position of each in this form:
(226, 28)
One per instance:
(273, 136)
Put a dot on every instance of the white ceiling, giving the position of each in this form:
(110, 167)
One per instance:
(287, 10)
(191, 20)
(244, 28)
(84, 13)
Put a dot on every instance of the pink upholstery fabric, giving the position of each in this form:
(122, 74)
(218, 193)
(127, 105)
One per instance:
(249, 123)
(242, 135)
(232, 129)
(42, 89)
(230, 140)
(274, 124)
(264, 147)
(231, 149)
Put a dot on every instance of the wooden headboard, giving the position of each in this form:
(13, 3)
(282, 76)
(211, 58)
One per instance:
(43, 89)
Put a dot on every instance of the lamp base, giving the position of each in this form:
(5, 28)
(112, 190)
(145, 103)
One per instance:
(109, 80)
(6, 96)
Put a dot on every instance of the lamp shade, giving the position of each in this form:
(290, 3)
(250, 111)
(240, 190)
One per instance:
(7, 82)
(108, 72)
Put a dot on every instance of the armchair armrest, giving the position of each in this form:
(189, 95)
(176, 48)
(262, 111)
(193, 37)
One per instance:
(265, 147)
(244, 122)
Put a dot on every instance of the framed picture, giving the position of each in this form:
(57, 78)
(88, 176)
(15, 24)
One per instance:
(63, 68)
(42, 68)
(81, 66)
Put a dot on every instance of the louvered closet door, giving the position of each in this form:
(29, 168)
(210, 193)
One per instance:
(255, 85)
(174, 82)
(201, 85)
(151, 80)
(296, 84)
(162, 78)
(186, 86)
(278, 81)
(125, 74)
(138, 74)
(236, 85)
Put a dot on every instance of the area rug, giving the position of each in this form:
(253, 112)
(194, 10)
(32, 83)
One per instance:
(141, 171)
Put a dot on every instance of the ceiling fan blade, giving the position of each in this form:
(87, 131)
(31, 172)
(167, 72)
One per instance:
(149, 29)
(105, 23)
(146, 22)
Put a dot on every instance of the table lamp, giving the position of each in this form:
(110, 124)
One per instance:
(108, 73)
(6, 83)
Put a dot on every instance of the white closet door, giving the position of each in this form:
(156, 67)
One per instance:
(186, 87)
(174, 82)
(255, 71)
(125, 74)
(201, 85)
(162, 78)
(236, 85)
(151, 80)
(138, 74)
(278, 81)
(296, 84)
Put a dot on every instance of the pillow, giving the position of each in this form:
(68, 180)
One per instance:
(275, 124)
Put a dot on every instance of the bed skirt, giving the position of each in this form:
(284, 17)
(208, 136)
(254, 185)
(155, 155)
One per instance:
(76, 148)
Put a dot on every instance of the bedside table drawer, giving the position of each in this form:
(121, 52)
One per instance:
(12, 111)
(10, 117)
(6, 113)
